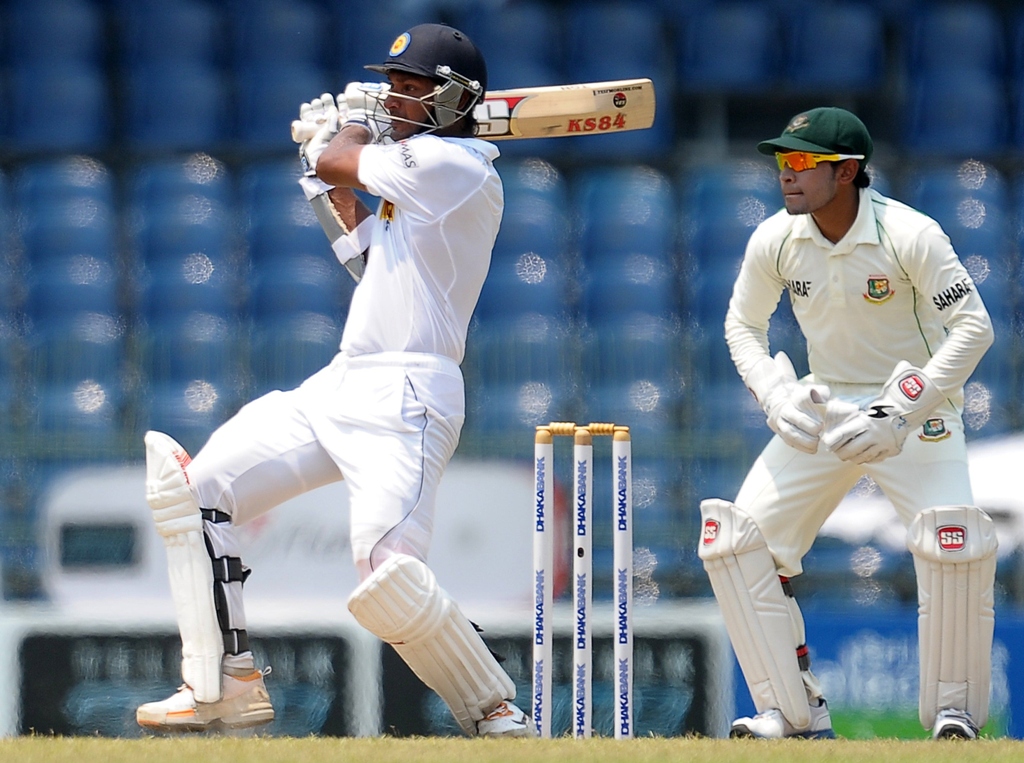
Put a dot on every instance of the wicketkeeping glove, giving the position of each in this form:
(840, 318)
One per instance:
(321, 117)
(795, 411)
(878, 430)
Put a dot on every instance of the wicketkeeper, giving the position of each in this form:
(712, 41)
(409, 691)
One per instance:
(894, 327)
(386, 412)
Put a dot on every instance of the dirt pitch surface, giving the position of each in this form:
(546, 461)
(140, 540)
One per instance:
(194, 749)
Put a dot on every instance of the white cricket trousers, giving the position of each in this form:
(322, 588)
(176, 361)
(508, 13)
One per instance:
(389, 422)
(790, 494)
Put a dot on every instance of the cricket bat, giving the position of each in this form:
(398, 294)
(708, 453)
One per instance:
(590, 108)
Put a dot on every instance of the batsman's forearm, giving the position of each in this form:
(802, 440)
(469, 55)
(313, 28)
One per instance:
(338, 165)
(350, 209)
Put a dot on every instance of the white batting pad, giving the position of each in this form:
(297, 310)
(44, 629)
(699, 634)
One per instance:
(402, 604)
(954, 550)
(180, 522)
(755, 609)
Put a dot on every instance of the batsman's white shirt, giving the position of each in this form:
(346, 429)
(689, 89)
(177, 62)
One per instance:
(387, 412)
(892, 289)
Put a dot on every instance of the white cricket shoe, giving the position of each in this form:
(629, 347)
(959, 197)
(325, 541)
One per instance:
(772, 724)
(244, 702)
(506, 720)
(954, 724)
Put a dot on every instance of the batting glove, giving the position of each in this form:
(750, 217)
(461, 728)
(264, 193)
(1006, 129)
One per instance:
(795, 411)
(321, 117)
(879, 430)
(364, 104)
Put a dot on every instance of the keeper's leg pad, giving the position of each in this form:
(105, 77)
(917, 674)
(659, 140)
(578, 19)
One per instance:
(954, 550)
(180, 523)
(402, 604)
(755, 609)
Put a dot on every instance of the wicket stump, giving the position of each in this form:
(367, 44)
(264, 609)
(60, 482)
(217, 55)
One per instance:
(543, 573)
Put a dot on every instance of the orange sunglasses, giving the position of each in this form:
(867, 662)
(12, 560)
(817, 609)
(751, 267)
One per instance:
(802, 160)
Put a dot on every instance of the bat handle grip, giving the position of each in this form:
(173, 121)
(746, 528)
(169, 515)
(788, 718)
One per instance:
(302, 131)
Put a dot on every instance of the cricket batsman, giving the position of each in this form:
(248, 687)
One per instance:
(386, 413)
(894, 327)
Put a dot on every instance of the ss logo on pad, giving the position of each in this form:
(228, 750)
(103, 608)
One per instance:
(711, 528)
(952, 537)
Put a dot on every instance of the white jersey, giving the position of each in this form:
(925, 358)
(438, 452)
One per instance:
(892, 289)
(430, 248)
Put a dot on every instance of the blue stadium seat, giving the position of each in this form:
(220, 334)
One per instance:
(192, 345)
(650, 407)
(957, 114)
(79, 345)
(176, 106)
(971, 201)
(281, 222)
(720, 207)
(936, 185)
(83, 92)
(991, 401)
(61, 32)
(171, 231)
(288, 350)
(961, 36)
(71, 283)
(301, 282)
(512, 409)
(634, 346)
(280, 32)
(77, 417)
(521, 43)
(160, 182)
(55, 233)
(187, 32)
(189, 410)
(192, 281)
(268, 99)
(656, 507)
(729, 411)
(531, 223)
(625, 210)
(193, 378)
(365, 30)
(618, 285)
(834, 46)
(530, 283)
(730, 47)
(535, 218)
(42, 183)
(635, 33)
(528, 347)
(10, 372)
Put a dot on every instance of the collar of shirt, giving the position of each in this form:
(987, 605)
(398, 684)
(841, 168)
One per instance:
(486, 148)
(863, 231)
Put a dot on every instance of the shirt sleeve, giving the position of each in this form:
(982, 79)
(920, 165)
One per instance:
(948, 291)
(425, 177)
(755, 296)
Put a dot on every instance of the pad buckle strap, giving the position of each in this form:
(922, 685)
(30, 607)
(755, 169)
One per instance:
(803, 657)
(215, 516)
(229, 569)
(236, 641)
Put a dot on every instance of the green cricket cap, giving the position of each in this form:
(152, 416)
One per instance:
(825, 130)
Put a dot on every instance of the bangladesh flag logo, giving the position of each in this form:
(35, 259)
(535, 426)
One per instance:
(879, 290)
(934, 430)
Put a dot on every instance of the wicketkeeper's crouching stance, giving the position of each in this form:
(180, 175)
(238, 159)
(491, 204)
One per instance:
(386, 413)
(894, 328)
